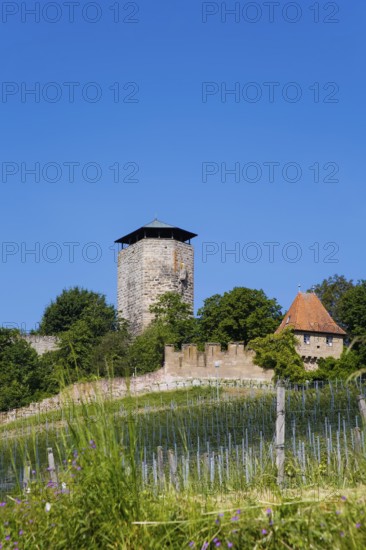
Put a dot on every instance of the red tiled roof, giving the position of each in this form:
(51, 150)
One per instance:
(307, 313)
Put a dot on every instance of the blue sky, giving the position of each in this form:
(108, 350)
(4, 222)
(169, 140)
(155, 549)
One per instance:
(150, 97)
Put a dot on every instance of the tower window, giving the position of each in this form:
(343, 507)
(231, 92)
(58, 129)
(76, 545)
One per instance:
(306, 339)
(329, 340)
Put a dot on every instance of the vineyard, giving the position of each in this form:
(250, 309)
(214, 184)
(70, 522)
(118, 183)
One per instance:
(179, 469)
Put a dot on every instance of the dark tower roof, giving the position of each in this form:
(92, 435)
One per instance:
(157, 230)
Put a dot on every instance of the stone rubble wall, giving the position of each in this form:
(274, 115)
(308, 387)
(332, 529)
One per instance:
(90, 391)
(42, 344)
(115, 389)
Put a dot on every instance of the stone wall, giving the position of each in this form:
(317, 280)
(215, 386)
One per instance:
(85, 392)
(148, 269)
(318, 347)
(42, 344)
(235, 362)
(116, 388)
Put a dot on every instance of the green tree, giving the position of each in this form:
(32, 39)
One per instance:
(352, 313)
(75, 350)
(21, 373)
(176, 316)
(146, 353)
(110, 357)
(330, 291)
(340, 369)
(239, 315)
(78, 304)
(278, 352)
(352, 310)
(173, 323)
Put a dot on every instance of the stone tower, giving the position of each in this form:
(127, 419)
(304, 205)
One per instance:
(154, 259)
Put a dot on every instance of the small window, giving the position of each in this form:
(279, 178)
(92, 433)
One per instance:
(288, 319)
(329, 340)
(306, 339)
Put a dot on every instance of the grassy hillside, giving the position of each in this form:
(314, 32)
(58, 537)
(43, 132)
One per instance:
(188, 469)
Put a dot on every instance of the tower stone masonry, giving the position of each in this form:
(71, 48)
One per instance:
(154, 259)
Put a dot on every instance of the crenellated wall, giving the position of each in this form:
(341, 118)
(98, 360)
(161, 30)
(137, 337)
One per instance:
(235, 362)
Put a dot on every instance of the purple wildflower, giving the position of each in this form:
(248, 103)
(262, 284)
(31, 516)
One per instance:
(235, 518)
(343, 498)
(7, 537)
(264, 531)
(238, 511)
(34, 472)
(268, 511)
(342, 533)
(21, 532)
(229, 544)
(191, 544)
(358, 525)
(205, 545)
(218, 543)
(92, 444)
(2, 504)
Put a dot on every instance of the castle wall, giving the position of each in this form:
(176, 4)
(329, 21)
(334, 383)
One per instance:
(42, 344)
(235, 362)
(148, 269)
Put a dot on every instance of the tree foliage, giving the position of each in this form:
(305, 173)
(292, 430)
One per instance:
(340, 369)
(173, 323)
(352, 309)
(110, 357)
(330, 292)
(239, 315)
(146, 353)
(346, 302)
(22, 375)
(278, 352)
(78, 304)
(175, 315)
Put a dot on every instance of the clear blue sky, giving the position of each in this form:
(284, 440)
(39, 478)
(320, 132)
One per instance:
(168, 124)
